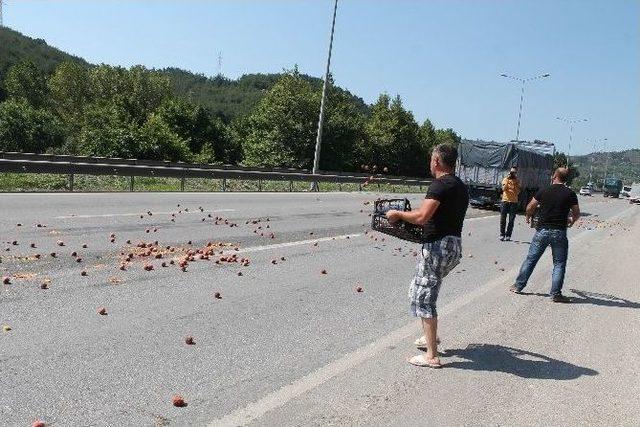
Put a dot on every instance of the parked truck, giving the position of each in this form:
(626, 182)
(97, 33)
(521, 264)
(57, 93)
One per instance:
(483, 164)
(612, 187)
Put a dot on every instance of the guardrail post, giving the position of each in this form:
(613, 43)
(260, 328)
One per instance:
(290, 186)
(339, 186)
(70, 182)
(259, 185)
(224, 184)
(131, 183)
(182, 184)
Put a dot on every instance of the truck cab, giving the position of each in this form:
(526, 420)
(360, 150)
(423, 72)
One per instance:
(612, 187)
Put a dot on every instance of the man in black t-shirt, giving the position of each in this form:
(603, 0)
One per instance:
(441, 214)
(554, 204)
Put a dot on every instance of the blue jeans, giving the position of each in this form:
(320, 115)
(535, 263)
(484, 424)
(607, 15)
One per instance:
(507, 208)
(559, 243)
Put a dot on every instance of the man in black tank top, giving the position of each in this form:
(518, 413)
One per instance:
(441, 215)
(554, 204)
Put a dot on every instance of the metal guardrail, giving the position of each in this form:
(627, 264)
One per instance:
(80, 165)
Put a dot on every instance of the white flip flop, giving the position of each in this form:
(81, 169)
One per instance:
(422, 362)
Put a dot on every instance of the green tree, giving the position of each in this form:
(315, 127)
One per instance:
(427, 135)
(70, 93)
(25, 82)
(207, 136)
(107, 132)
(343, 131)
(147, 91)
(157, 141)
(447, 136)
(393, 139)
(281, 130)
(138, 92)
(26, 129)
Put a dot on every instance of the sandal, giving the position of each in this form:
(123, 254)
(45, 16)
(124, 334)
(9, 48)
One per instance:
(421, 361)
(422, 342)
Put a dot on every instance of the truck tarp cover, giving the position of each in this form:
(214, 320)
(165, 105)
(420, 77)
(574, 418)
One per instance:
(487, 163)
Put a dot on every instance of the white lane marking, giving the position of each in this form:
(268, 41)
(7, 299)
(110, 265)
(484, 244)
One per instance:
(282, 396)
(481, 217)
(72, 216)
(279, 398)
(296, 243)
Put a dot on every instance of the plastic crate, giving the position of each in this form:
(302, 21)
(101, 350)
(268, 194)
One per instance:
(401, 229)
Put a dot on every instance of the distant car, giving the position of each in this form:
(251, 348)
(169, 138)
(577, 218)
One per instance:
(626, 191)
(585, 191)
(635, 199)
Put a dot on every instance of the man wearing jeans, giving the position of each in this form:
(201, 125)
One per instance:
(441, 215)
(509, 206)
(555, 203)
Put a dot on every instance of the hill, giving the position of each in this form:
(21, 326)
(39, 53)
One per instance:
(16, 47)
(225, 97)
(621, 164)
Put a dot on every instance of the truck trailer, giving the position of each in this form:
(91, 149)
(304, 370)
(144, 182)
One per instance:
(483, 164)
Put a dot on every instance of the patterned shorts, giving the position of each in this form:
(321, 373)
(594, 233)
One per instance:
(436, 260)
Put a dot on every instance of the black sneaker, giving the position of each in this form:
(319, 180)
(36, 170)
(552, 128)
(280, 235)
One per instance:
(560, 298)
(508, 238)
(515, 289)
(502, 238)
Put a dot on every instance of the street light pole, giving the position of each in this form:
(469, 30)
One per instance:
(571, 123)
(523, 81)
(316, 157)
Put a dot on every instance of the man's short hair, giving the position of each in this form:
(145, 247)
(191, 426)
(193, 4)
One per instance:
(447, 153)
(562, 174)
(514, 167)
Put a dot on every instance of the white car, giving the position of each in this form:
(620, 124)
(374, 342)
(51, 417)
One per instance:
(626, 191)
(585, 191)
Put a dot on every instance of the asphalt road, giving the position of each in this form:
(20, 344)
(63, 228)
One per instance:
(288, 345)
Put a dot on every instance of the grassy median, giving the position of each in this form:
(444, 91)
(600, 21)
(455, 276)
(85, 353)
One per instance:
(18, 182)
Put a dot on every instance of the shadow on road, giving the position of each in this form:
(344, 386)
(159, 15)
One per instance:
(602, 299)
(522, 363)
(534, 294)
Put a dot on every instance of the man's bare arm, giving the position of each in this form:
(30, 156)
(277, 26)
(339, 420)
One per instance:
(531, 209)
(575, 214)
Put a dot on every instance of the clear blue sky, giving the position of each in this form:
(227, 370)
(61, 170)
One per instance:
(442, 57)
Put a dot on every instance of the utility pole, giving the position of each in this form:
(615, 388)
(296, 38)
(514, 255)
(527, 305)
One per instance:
(1, 22)
(522, 81)
(316, 157)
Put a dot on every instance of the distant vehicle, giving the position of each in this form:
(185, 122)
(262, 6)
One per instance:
(482, 165)
(634, 194)
(585, 191)
(612, 187)
(626, 191)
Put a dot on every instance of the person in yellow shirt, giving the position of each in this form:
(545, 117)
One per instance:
(510, 193)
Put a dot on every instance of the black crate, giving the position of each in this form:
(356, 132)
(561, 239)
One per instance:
(382, 206)
(401, 229)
